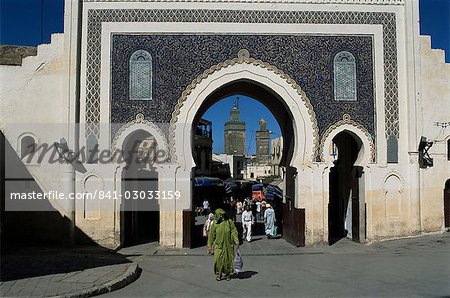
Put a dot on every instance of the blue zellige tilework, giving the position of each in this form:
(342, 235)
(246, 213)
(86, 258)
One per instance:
(388, 21)
(179, 59)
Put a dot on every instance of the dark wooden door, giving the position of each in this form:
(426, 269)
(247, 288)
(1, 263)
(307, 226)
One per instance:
(293, 218)
(355, 205)
(356, 175)
(188, 219)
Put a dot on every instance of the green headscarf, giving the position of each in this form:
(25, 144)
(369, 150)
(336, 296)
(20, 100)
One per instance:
(219, 212)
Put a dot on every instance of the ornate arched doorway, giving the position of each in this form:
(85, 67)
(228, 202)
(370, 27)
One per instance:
(345, 204)
(139, 217)
(138, 145)
(287, 102)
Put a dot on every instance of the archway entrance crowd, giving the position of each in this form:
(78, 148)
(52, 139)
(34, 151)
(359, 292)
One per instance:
(245, 182)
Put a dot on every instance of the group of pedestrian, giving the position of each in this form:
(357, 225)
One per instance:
(248, 220)
(241, 206)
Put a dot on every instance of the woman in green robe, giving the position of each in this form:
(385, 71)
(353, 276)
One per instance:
(222, 237)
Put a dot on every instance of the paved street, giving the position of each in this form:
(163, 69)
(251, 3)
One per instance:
(402, 268)
(64, 271)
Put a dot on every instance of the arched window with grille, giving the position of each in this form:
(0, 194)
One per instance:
(27, 146)
(141, 75)
(344, 76)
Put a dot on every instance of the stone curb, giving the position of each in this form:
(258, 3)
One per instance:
(133, 272)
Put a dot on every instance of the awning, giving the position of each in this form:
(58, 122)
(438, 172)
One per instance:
(278, 182)
(230, 186)
(207, 181)
(257, 187)
(273, 192)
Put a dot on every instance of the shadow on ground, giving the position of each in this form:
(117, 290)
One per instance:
(37, 261)
(245, 274)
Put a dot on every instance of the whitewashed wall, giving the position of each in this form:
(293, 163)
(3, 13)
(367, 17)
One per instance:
(434, 107)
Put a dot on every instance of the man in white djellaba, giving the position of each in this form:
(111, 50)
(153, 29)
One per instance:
(269, 222)
(247, 221)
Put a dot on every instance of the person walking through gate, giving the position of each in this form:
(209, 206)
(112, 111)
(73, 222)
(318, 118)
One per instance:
(258, 210)
(223, 236)
(207, 225)
(205, 207)
(233, 209)
(247, 221)
(239, 207)
(269, 222)
(263, 209)
(253, 208)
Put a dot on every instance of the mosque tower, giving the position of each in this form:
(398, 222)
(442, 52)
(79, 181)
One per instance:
(262, 143)
(234, 133)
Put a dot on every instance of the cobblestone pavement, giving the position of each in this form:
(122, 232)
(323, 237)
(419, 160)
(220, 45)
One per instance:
(77, 271)
(410, 267)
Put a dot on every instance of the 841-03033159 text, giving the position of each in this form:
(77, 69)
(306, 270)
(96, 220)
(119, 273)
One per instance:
(99, 194)
(139, 195)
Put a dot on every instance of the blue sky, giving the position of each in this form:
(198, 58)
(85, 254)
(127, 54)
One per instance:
(31, 22)
(220, 112)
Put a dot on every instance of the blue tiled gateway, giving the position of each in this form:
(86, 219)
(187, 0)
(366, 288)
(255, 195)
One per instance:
(359, 95)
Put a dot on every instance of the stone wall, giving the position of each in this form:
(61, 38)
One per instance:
(13, 55)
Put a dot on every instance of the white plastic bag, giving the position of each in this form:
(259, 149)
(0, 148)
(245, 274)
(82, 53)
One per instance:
(238, 263)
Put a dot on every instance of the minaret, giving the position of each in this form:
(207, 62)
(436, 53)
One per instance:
(234, 134)
(262, 143)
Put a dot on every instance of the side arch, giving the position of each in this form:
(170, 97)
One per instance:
(140, 124)
(25, 140)
(367, 152)
(138, 220)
